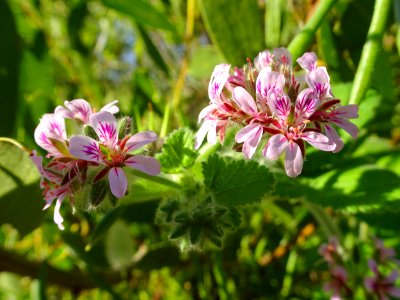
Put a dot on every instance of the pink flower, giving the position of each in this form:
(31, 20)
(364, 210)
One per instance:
(81, 110)
(382, 286)
(216, 114)
(114, 154)
(54, 184)
(338, 283)
(385, 254)
(330, 251)
(291, 136)
(270, 100)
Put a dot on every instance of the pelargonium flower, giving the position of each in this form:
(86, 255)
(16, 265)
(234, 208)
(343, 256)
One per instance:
(114, 154)
(71, 158)
(80, 109)
(56, 182)
(382, 286)
(338, 284)
(270, 101)
(330, 250)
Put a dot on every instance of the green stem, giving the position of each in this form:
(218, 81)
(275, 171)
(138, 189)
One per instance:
(370, 51)
(305, 37)
(158, 179)
(323, 219)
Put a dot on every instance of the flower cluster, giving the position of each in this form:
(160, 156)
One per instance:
(338, 284)
(381, 284)
(99, 145)
(378, 284)
(267, 99)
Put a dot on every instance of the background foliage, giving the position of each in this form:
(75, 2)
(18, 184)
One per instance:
(163, 240)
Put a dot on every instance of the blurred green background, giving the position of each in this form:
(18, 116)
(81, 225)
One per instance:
(156, 58)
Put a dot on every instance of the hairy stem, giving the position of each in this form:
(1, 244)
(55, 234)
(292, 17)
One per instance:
(305, 37)
(370, 51)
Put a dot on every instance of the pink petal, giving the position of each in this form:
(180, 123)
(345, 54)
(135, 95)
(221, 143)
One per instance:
(140, 139)
(369, 283)
(373, 266)
(244, 100)
(293, 160)
(347, 111)
(111, 107)
(85, 148)
(246, 132)
(347, 126)
(394, 292)
(280, 106)
(319, 141)
(146, 164)
(58, 219)
(318, 80)
(251, 136)
(212, 133)
(63, 112)
(333, 136)
(276, 144)
(80, 109)
(217, 82)
(105, 125)
(306, 104)
(201, 134)
(51, 126)
(308, 61)
(269, 81)
(118, 182)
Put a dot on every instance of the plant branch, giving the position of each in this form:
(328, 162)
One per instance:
(305, 37)
(370, 51)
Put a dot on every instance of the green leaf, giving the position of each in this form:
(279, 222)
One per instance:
(21, 200)
(142, 12)
(235, 27)
(119, 245)
(357, 189)
(153, 51)
(236, 182)
(177, 152)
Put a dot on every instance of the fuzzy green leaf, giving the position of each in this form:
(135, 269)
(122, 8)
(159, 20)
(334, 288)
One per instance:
(178, 151)
(236, 182)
